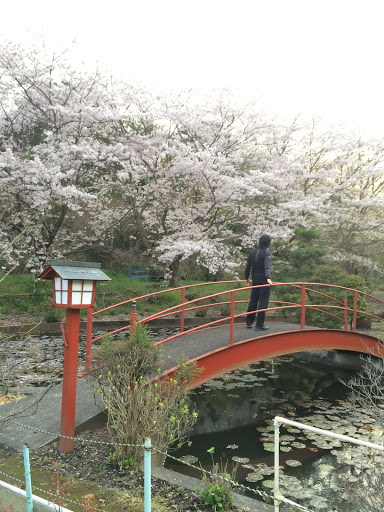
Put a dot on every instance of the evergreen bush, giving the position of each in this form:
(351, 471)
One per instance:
(335, 275)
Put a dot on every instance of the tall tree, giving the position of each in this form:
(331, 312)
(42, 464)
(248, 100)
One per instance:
(89, 164)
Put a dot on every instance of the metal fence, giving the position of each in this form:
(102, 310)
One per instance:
(278, 496)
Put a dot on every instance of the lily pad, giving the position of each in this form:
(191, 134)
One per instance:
(241, 460)
(296, 444)
(254, 477)
(293, 463)
(214, 384)
(250, 378)
(269, 447)
(326, 467)
(189, 459)
(266, 471)
(319, 502)
(303, 494)
(287, 438)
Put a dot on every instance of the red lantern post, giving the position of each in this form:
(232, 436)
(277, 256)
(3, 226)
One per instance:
(74, 288)
(68, 401)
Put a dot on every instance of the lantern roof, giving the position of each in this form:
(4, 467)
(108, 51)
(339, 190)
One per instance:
(67, 269)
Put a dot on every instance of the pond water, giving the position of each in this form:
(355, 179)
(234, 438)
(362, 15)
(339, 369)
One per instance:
(236, 414)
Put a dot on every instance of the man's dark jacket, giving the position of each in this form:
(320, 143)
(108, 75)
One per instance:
(260, 261)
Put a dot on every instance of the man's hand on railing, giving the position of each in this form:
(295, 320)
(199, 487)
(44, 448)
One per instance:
(249, 282)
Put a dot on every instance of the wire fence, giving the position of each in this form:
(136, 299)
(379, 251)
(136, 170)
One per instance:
(236, 486)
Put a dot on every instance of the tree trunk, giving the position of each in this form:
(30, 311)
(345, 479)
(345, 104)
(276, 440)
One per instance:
(175, 269)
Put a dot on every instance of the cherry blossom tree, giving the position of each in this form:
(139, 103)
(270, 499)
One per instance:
(205, 182)
(88, 163)
(347, 172)
(55, 155)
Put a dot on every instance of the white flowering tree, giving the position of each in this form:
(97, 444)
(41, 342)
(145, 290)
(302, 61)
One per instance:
(347, 173)
(54, 156)
(205, 181)
(90, 164)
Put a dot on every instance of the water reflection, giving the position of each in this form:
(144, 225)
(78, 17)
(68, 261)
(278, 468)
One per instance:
(233, 402)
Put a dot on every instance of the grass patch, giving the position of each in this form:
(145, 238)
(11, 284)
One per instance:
(112, 498)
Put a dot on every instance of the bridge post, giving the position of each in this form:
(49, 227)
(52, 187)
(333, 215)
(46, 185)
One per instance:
(88, 342)
(345, 314)
(302, 323)
(232, 317)
(133, 319)
(182, 309)
(354, 311)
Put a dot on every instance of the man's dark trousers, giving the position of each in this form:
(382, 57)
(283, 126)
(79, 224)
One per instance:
(259, 300)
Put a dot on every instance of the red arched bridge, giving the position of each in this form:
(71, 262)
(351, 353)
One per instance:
(225, 344)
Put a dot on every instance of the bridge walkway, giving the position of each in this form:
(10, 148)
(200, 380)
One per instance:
(207, 340)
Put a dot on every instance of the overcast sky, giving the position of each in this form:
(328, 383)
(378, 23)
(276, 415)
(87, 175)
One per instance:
(320, 58)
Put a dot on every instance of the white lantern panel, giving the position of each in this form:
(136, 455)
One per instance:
(64, 284)
(77, 286)
(76, 297)
(88, 286)
(57, 283)
(64, 298)
(58, 297)
(87, 298)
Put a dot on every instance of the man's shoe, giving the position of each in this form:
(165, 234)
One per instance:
(262, 327)
(249, 326)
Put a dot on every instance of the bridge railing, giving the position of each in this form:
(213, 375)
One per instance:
(196, 304)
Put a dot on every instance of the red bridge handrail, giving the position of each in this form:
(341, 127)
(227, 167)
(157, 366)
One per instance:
(162, 291)
(182, 308)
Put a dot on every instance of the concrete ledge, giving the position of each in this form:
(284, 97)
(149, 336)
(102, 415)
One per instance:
(11, 495)
(191, 483)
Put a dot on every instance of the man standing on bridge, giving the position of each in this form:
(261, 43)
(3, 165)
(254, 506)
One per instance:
(260, 261)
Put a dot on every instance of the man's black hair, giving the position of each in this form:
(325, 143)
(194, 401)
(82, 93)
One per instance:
(264, 241)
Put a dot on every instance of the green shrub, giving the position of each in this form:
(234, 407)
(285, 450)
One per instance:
(217, 485)
(138, 405)
(117, 459)
(225, 310)
(297, 259)
(335, 275)
(201, 312)
(217, 497)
